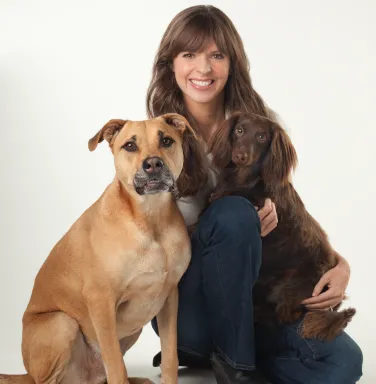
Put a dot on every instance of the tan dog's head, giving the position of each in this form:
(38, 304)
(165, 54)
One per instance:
(257, 144)
(154, 155)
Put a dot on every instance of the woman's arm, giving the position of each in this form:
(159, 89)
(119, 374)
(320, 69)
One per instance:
(336, 279)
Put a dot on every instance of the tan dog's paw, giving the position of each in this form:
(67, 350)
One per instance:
(139, 380)
(167, 381)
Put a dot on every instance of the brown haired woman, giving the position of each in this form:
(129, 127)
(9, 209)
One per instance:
(201, 71)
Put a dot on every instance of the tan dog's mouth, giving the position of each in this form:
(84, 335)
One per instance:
(146, 185)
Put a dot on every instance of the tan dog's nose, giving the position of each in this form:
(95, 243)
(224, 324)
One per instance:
(152, 165)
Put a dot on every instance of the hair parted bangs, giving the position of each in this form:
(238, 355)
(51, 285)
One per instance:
(197, 33)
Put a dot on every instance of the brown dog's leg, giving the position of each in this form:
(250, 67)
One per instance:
(103, 317)
(167, 326)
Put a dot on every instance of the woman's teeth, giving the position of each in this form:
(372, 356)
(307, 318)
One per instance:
(202, 83)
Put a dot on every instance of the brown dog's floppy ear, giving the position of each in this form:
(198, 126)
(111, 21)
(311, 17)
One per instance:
(220, 145)
(280, 160)
(108, 133)
(194, 175)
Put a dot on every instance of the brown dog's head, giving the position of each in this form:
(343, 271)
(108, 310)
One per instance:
(154, 155)
(256, 143)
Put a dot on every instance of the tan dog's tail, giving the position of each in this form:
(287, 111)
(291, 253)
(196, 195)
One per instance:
(325, 325)
(16, 379)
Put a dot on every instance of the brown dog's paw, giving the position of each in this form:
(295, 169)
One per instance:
(213, 197)
(326, 325)
(218, 195)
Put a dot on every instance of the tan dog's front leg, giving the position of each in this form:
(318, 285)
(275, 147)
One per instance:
(103, 317)
(167, 326)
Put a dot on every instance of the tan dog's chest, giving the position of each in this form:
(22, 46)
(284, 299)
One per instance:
(149, 271)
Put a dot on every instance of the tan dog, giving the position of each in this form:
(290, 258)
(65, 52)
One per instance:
(119, 264)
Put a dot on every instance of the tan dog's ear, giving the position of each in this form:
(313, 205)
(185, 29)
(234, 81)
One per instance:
(108, 133)
(179, 122)
(280, 160)
(220, 145)
(194, 175)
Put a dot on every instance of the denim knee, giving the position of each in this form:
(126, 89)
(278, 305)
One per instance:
(343, 358)
(349, 358)
(356, 358)
(232, 216)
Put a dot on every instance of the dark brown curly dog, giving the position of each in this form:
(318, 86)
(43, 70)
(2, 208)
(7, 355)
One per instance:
(256, 157)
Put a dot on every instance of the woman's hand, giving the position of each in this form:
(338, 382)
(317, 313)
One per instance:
(268, 217)
(336, 279)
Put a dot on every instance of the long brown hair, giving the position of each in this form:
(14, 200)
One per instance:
(190, 30)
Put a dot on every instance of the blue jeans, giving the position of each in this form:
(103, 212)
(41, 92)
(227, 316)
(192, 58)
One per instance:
(216, 309)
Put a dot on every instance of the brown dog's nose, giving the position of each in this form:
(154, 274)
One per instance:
(152, 165)
(241, 157)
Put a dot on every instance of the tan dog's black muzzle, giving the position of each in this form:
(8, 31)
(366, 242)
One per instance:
(153, 177)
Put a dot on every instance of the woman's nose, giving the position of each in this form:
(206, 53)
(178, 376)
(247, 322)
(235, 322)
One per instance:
(203, 65)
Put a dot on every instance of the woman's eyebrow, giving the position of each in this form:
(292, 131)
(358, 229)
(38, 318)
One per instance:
(217, 51)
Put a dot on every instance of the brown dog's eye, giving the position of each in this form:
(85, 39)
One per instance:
(261, 137)
(167, 142)
(130, 146)
(239, 131)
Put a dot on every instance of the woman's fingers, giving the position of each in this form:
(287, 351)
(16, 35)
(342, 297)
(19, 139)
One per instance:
(269, 221)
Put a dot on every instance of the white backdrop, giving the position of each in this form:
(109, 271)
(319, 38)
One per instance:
(66, 68)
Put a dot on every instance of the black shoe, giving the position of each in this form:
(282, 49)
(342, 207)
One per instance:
(225, 374)
(185, 360)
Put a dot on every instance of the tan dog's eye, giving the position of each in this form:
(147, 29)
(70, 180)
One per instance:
(167, 142)
(261, 137)
(130, 146)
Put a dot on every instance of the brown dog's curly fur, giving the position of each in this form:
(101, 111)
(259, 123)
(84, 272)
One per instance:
(256, 157)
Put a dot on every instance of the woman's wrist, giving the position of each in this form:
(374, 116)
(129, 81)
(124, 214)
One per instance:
(343, 264)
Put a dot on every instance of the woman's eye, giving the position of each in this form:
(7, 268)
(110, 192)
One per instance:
(218, 56)
(130, 146)
(188, 55)
(261, 137)
(167, 142)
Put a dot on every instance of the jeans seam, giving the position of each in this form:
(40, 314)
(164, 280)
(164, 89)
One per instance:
(305, 340)
(287, 358)
(232, 363)
(190, 350)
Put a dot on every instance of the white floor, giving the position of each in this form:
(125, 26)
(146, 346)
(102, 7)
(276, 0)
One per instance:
(139, 362)
(186, 376)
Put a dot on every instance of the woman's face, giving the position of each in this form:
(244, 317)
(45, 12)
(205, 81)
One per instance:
(202, 75)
